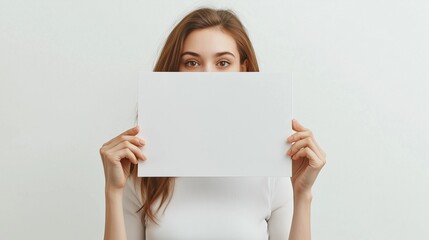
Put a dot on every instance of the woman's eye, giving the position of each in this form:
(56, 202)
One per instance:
(191, 63)
(223, 63)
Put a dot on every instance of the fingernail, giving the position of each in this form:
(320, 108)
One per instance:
(288, 152)
(290, 138)
(142, 142)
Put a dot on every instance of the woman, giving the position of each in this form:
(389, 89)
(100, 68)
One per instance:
(208, 208)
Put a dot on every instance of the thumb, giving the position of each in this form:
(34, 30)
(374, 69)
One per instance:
(297, 126)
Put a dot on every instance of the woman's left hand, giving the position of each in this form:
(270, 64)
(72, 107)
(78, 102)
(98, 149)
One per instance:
(307, 158)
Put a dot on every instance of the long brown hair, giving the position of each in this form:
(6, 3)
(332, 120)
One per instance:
(154, 188)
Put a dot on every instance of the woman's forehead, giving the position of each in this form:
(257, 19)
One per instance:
(209, 41)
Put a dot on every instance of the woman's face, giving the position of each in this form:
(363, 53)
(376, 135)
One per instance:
(210, 50)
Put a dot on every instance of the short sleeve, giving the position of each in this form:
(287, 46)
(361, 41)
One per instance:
(131, 204)
(280, 221)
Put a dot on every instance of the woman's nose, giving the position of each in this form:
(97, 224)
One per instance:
(209, 68)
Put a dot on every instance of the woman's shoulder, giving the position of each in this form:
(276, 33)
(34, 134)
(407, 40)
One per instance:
(281, 191)
(280, 181)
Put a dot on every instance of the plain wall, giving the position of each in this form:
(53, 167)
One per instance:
(68, 77)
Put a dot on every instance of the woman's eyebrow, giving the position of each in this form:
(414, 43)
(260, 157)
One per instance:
(216, 55)
(224, 53)
(190, 53)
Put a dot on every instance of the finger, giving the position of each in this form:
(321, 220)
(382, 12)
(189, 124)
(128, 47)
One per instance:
(130, 132)
(124, 153)
(297, 126)
(137, 152)
(121, 138)
(302, 135)
(306, 142)
(298, 136)
(314, 161)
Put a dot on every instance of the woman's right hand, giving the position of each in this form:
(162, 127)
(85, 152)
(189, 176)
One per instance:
(117, 156)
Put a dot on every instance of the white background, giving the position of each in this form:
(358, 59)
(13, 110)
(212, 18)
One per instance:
(68, 77)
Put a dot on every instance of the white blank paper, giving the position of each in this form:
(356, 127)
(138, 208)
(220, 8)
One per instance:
(215, 124)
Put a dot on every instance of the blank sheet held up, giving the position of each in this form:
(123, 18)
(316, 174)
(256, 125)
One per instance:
(215, 124)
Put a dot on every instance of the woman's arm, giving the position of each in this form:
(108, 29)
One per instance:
(300, 228)
(307, 161)
(114, 227)
(117, 156)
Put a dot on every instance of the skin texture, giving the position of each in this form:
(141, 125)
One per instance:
(210, 50)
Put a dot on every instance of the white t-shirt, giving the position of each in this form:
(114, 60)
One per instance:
(230, 208)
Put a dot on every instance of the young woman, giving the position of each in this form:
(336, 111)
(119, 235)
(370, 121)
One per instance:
(208, 208)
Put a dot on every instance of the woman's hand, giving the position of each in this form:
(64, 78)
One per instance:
(118, 154)
(307, 158)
